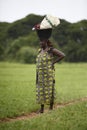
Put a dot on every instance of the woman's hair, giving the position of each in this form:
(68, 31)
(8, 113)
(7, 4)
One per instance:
(49, 43)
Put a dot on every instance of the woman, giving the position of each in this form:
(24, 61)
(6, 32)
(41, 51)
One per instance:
(45, 76)
(45, 73)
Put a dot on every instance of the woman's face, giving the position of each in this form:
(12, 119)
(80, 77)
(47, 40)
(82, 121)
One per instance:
(43, 43)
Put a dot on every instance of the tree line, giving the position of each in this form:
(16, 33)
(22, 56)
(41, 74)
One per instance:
(18, 43)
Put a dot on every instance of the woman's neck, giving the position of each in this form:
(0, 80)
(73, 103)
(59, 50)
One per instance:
(44, 48)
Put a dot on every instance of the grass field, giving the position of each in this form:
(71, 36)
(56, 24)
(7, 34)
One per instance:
(17, 97)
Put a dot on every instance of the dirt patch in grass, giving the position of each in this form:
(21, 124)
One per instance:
(35, 114)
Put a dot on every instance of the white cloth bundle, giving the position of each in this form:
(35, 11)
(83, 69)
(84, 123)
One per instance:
(49, 22)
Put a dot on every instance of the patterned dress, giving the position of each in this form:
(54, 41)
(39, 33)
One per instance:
(45, 91)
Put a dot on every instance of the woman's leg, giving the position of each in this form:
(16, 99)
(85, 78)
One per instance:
(51, 106)
(51, 102)
(42, 108)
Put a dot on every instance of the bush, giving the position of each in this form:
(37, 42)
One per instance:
(26, 55)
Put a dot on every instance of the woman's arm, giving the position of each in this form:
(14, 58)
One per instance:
(60, 55)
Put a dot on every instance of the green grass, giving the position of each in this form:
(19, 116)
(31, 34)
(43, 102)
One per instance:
(17, 97)
(71, 81)
(17, 89)
(72, 117)
(17, 86)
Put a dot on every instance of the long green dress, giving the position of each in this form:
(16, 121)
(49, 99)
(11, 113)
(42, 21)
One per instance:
(45, 91)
